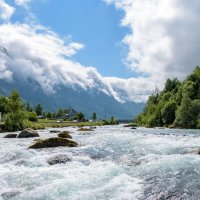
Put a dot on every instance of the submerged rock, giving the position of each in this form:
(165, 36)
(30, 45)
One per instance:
(28, 133)
(54, 131)
(85, 129)
(11, 135)
(53, 142)
(9, 195)
(59, 159)
(64, 134)
(133, 126)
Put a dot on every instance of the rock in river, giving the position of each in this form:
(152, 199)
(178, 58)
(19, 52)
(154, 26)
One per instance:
(54, 131)
(58, 159)
(64, 134)
(11, 135)
(85, 129)
(28, 133)
(53, 142)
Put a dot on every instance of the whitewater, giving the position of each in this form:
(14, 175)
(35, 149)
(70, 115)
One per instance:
(110, 163)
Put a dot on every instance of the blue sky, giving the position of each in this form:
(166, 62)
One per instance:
(91, 22)
(155, 40)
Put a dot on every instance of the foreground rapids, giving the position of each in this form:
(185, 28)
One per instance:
(110, 163)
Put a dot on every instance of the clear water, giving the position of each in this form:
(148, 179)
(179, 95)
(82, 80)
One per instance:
(112, 163)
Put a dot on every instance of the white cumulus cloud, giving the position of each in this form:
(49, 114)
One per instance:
(22, 2)
(164, 40)
(40, 54)
(6, 11)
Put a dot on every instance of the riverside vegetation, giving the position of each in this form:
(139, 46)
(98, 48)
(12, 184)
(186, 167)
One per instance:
(17, 115)
(178, 105)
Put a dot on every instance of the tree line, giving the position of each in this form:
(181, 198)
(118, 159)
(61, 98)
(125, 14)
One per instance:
(17, 115)
(178, 105)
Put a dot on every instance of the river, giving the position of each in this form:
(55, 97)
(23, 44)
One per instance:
(111, 163)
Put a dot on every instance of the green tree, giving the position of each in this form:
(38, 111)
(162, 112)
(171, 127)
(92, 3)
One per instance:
(32, 116)
(38, 109)
(15, 119)
(28, 107)
(184, 115)
(59, 113)
(49, 115)
(94, 116)
(80, 116)
(113, 120)
(178, 104)
(168, 112)
(3, 105)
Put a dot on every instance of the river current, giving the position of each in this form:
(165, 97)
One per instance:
(111, 163)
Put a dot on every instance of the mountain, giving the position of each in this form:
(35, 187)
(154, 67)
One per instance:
(82, 100)
(57, 86)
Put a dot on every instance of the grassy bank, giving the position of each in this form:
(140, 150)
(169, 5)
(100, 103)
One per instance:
(43, 123)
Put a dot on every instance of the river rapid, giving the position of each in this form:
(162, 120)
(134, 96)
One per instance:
(111, 163)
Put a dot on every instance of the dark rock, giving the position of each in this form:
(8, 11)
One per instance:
(130, 125)
(133, 128)
(85, 129)
(9, 195)
(11, 135)
(54, 131)
(58, 159)
(1, 130)
(28, 133)
(64, 134)
(93, 127)
(53, 142)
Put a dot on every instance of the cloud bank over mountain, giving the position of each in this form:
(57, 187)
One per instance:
(39, 53)
(164, 42)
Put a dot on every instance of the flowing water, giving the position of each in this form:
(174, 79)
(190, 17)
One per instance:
(111, 163)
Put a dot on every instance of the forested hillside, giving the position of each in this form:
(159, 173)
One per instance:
(178, 105)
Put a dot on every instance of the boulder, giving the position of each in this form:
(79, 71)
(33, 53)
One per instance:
(27, 133)
(53, 142)
(130, 125)
(133, 128)
(85, 129)
(54, 131)
(59, 159)
(64, 134)
(11, 135)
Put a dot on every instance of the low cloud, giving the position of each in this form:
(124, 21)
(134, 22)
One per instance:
(6, 11)
(40, 54)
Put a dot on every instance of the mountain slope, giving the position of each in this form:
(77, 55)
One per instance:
(87, 101)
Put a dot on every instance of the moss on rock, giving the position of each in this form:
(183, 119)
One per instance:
(53, 142)
(64, 134)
